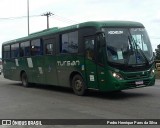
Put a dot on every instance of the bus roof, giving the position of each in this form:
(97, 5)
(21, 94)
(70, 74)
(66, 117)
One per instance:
(96, 24)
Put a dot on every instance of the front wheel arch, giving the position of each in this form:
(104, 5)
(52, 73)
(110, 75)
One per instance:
(78, 85)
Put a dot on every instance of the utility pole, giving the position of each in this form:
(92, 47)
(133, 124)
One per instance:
(28, 15)
(48, 14)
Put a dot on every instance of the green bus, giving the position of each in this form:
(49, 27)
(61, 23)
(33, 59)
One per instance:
(104, 55)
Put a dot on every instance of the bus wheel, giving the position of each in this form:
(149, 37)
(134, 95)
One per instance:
(78, 85)
(24, 79)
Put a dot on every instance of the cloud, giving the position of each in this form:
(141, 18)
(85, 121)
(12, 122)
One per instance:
(156, 18)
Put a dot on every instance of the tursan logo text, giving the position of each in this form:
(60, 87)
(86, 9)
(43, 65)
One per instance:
(68, 63)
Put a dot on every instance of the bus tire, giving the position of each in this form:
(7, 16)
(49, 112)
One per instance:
(78, 85)
(24, 80)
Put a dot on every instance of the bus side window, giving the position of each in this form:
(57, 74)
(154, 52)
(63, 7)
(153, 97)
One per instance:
(25, 49)
(49, 49)
(69, 42)
(15, 50)
(6, 52)
(101, 49)
(36, 47)
(89, 48)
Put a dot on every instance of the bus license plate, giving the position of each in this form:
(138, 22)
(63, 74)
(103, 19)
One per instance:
(139, 82)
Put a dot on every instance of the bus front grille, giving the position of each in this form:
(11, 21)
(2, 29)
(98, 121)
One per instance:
(136, 76)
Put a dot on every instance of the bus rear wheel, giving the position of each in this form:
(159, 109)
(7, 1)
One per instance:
(24, 80)
(78, 85)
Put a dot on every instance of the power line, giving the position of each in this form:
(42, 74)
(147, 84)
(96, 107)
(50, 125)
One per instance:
(57, 17)
(20, 17)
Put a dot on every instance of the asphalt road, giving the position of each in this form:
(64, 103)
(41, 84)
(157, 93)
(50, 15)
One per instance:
(50, 102)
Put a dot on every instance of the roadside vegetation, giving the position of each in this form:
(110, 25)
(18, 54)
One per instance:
(157, 74)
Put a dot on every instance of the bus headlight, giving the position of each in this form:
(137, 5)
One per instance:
(117, 75)
(152, 72)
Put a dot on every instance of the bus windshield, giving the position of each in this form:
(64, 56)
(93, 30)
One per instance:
(128, 46)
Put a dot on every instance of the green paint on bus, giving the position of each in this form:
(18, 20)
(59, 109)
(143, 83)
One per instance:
(106, 56)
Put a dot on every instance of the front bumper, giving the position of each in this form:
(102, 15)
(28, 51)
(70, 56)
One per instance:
(130, 84)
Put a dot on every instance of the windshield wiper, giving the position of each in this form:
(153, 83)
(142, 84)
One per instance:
(130, 52)
(140, 50)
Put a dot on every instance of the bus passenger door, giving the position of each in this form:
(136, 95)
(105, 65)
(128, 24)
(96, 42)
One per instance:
(36, 61)
(50, 62)
(90, 65)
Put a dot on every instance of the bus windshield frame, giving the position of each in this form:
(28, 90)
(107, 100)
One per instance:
(128, 46)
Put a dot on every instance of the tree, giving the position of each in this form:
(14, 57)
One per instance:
(157, 52)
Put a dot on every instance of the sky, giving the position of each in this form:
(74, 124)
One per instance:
(13, 15)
